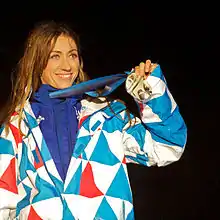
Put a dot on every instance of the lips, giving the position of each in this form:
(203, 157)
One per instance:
(65, 76)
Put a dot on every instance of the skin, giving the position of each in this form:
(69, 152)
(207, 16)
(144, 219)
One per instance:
(63, 64)
(144, 69)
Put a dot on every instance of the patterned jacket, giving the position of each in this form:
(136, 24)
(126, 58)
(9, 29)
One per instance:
(97, 184)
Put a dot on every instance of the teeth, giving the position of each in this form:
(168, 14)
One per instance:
(64, 76)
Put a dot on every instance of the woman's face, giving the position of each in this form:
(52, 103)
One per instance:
(63, 64)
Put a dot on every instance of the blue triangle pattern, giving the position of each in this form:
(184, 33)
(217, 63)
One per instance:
(159, 103)
(84, 155)
(158, 73)
(45, 151)
(74, 184)
(67, 214)
(31, 120)
(102, 149)
(47, 191)
(105, 211)
(130, 215)
(25, 164)
(58, 183)
(25, 201)
(80, 145)
(175, 124)
(6, 147)
(120, 187)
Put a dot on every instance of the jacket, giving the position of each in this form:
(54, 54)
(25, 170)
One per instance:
(97, 183)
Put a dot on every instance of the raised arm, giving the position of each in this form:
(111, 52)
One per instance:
(159, 136)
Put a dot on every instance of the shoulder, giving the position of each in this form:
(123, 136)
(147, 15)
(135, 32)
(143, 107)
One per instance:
(109, 107)
(94, 103)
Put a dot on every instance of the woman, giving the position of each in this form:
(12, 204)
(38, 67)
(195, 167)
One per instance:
(65, 158)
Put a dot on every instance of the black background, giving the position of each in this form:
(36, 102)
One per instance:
(117, 35)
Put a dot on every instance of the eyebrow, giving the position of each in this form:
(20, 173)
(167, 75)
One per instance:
(58, 51)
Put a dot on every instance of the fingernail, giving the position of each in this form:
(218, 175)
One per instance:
(142, 65)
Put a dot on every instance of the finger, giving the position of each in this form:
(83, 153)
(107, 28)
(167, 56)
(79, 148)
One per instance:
(137, 70)
(142, 69)
(147, 66)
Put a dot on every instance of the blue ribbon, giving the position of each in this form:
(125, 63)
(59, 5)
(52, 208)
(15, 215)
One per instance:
(110, 83)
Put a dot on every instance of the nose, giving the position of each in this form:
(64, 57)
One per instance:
(65, 65)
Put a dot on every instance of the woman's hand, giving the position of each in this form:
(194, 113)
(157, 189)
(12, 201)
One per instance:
(136, 85)
(144, 69)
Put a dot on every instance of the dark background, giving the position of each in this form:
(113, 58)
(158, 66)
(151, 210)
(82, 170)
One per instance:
(117, 35)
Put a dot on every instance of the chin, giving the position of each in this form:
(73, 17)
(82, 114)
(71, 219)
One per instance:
(63, 85)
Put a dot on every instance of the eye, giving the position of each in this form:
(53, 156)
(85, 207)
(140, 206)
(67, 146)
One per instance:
(74, 55)
(55, 56)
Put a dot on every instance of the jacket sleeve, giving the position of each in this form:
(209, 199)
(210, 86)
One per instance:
(159, 136)
(8, 176)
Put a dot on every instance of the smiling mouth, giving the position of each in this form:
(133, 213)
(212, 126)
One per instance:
(65, 76)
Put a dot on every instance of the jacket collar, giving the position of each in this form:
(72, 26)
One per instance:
(100, 104)
(39, 144)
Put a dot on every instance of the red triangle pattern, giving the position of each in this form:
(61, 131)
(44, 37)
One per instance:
(40, 163)
(8, 179)
(16, 134)
(124, 160)
(82, 120)
(33, 215)
(14, 114)
(141, 105)
(87, 184)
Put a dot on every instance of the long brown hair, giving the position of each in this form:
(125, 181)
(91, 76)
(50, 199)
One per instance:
(38, 47)
(39, 44)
